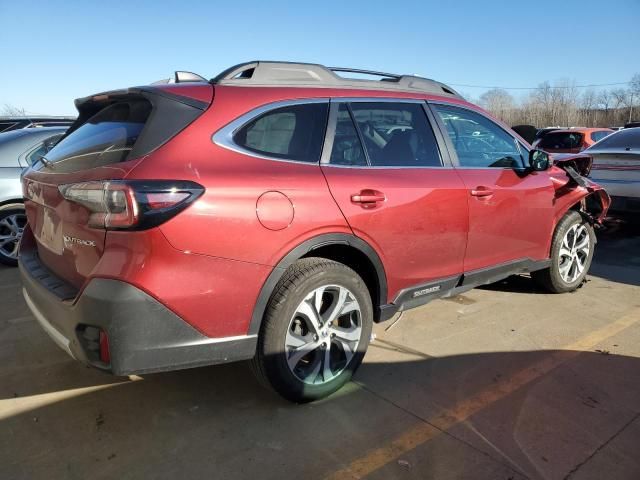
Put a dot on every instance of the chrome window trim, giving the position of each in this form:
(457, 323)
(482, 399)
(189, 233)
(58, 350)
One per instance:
(383, 167)
(376, 100)
(224, 136)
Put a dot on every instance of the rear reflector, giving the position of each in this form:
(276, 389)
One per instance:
(105, 356)
(137, 204)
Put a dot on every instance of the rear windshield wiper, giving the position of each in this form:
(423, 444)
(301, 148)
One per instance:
(45, 162)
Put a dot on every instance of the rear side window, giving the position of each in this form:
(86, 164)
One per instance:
(105, 138)
(597, 136)
(294, 132)
(396, 134)
(347, 148)
(561, 140)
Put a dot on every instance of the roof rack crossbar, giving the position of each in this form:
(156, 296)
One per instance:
(365, 72)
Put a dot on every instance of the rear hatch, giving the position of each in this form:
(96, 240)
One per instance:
(562, 142)
(67, 191)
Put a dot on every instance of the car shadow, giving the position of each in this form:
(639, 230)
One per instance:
(616, 258)
(506, 415)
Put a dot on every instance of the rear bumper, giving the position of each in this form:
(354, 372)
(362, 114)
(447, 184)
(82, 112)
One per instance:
(144, 336)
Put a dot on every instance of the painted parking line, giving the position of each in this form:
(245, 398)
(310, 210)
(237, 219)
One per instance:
(422, 433)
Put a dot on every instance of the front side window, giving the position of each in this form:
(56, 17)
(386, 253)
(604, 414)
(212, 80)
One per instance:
(294, 132)
(479, 142)
(396, 134)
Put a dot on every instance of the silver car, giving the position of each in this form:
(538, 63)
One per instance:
(616, 166)
(18, 150)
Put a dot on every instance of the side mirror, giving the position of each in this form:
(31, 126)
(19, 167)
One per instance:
(539, 161)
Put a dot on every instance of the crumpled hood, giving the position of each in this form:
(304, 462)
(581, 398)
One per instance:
(569, 174)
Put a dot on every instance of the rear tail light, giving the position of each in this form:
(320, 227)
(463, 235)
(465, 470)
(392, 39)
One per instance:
(136, 204)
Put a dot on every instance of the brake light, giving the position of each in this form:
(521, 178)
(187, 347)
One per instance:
(136, 204)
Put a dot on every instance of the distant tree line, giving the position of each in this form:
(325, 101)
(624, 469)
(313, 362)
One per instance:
(563, 104)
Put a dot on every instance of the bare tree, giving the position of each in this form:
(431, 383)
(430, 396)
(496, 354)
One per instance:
(500, 103)
(11, 111)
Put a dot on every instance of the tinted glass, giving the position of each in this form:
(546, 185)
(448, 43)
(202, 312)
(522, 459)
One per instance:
(396, 134)
(622, 139)
(597, 136)
(347, 148)
(562, 140)
(6, 126)
(295, 132)
(478, 141)
(105, 138)
(43, 148)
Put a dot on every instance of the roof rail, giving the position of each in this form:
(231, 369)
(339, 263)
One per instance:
(275, 74)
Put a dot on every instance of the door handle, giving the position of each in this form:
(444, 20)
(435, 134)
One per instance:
(368, 197)
(481, 191)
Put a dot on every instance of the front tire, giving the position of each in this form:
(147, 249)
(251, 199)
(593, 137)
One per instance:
(12, 223)
(315, 331)
(572, 249)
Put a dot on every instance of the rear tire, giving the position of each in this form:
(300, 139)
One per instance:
(12, 223)
(572, 249)
(315, 331)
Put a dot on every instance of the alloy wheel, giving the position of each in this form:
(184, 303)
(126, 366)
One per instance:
(574, 253)
(323, 334)
(11, 228)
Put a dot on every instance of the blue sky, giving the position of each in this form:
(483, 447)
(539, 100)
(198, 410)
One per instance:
(52, 52)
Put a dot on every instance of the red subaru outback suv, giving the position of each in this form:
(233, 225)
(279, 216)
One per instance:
(277, 211)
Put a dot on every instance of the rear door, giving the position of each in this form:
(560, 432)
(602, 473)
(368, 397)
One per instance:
(397, 189)
(510, 210)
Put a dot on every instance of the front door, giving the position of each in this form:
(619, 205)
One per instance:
(510, 209)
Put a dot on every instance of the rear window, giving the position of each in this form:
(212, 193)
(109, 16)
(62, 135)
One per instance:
(105, 138)
(597, 136)
(562, 140)
(622, 139)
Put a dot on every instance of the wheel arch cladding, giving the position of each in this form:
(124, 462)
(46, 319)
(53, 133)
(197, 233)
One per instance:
(343, 248)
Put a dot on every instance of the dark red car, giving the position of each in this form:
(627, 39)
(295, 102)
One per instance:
(277, 211)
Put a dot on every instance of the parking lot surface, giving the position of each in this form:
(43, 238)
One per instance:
(503, 382)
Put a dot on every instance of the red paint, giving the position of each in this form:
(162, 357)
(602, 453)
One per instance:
(209, 263)
(274, 210)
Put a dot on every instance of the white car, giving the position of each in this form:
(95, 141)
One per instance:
(616, 166)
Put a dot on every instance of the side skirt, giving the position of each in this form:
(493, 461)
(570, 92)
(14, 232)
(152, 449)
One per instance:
(422, 294)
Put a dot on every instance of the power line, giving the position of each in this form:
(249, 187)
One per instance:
(538, 88)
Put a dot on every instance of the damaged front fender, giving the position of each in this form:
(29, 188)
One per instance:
(572, 187)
